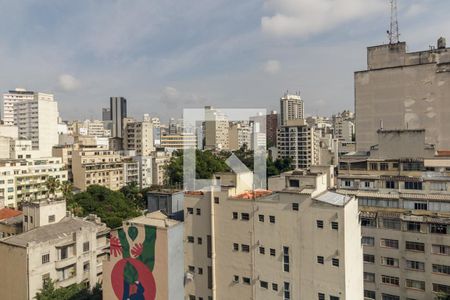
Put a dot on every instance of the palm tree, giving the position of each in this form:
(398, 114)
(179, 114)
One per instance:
(52, 184)
(66, 189)
(76, 209)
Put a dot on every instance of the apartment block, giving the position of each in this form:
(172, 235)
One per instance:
(300, 142)
(240, 134)
(68, 252)
(97, 166)
(160, 161)
(216, 129)
(24, 179)
(402, 185)
(145, 172)
(272, 128)
(179, 141)
(138, 136)
(301, 242)
(9, 99)
(291, 108)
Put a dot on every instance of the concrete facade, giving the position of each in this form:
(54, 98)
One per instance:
(291, 108)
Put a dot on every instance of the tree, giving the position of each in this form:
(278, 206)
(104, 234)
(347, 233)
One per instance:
(52, 184)
(133, 193)
(442, 296)
(73, 292)
(67, 190)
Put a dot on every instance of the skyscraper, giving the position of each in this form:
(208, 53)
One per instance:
(9, 99)
(291, 108)
(118, 107)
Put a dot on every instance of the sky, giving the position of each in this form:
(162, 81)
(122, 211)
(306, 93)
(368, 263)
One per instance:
(166, 55)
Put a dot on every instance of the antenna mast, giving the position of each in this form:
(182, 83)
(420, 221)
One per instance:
(394, 35)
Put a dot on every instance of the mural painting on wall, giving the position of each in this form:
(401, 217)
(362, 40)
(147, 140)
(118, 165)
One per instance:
(132, 276)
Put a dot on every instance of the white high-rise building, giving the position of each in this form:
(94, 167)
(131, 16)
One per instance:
(292, 108)
(37, 120)
(9, 99)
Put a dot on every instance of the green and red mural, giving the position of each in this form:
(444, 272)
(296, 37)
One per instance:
(132, 274)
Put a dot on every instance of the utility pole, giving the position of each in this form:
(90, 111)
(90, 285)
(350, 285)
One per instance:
(393, 33)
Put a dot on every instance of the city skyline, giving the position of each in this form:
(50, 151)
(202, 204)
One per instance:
(251, 53)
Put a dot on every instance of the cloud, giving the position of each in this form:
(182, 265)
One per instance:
(304, 18)
(172, 98)
(68, 83)
(272, 66)
(415, 9)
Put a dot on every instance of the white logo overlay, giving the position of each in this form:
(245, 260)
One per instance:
(211, 128)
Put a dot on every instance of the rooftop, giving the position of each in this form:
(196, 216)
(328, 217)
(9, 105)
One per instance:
(6, 213)
(333, 198)
(253, 194)
(157, 219)
(62, 229)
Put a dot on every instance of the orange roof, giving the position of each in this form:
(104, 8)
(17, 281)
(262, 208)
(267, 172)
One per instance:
(253, 194)
(194, 193)
(6, 213)
(443, 153)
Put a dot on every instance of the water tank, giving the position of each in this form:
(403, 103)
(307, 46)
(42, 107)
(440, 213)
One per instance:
(441, 43)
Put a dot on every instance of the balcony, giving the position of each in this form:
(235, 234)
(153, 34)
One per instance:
(67, 281)
(63, 263)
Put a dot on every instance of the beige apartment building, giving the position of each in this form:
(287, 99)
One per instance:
(67, 252)
(138, 136)
(24, 179)
(240, 134)
(402, 186)
(291, 108)
(216, 129)
(299, 141)
(159, 162)
(301, 242)
(97, 166)
(179, 141)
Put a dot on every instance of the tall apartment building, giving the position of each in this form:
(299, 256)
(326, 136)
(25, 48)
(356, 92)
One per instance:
(67, 252)
(343, 126)
(403, 189)
(272, 128)
(216, 129)
(179, 141)
(160, 161)
(89, 128)
(152, 246)
(36, 116)
(300, 142)
(145, 172)
(291, 108)
(138, 136)
(24, 179)
(298, 243)
(118, 109)
(97, 166)
(401, 90)
(240, 134)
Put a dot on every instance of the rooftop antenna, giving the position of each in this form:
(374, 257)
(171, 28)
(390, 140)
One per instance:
(393, 33)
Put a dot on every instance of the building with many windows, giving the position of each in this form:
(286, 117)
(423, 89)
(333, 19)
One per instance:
(291, 108)
(298, 243)
(179, 141)
(138, 136)
(403, 189)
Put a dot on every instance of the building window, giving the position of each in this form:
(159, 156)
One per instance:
(319, 223)
(295, 206)
(245, 216)
(415, 246)
(335, 262)
(235, 247)
(440, 249)
(199, 240)
(200, 271)
(415, 284)
(85, 246)
(390, 184)
(392, 280)
(235, 215)
(246, 280)
(45, 279)
(264, 284)
(262, 250)
(25, 218)
(216, 200)
(369, 277)
(373, 166)
(413, 226)
(272, 219)
(334, 298)
(321, 296)
(389, 261)
(287, 291)
(272, 252)
(274, 286)
(389, 297)
(413, 185)
(368, 222)
(369, 294)
(415, 265)
(199, 211)
(190, 239)
(86, 266)
(369, 258)
(334, 225)
(438, 228)
(190, 210)
(235, 279)
(368, 241)
(391, 223)
(320, 260)
(384, 166)
(441, 269)
(261, 218)
(46, 258)
(441, 288)
(388, 243)
(64, 252)
(420, 206)
(245, 248)
(286, 259)
(51, 218)
(191, 269)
